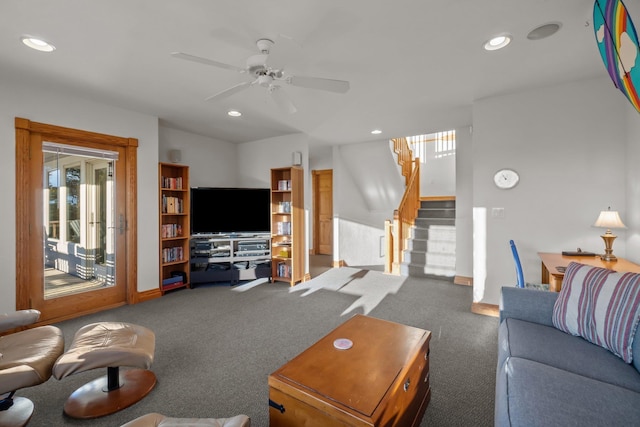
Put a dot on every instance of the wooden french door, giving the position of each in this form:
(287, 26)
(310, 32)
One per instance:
(322, 183)
(75, 218)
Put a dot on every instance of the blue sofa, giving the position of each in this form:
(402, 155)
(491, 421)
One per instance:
(546, 377)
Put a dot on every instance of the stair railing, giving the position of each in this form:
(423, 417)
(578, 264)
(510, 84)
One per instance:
(397, 232)
(405, 157)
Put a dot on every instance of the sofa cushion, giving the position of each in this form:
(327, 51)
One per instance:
(533, 394)
(600, 305)
(548, 345)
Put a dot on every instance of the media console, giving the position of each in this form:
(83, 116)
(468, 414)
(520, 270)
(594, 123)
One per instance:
(230, 258)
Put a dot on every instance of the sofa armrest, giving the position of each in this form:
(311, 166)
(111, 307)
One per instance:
(527, 304)
(16, 319)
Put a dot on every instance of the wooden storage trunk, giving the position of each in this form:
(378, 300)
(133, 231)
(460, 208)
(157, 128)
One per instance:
(382, 380)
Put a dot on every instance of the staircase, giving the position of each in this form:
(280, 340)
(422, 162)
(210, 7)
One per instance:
(431, 249)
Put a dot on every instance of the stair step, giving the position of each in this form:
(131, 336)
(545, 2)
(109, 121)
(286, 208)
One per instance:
(415, 257)
(419, 233)
(426, 272)
(436, 213)
(437, 259)
(434, 232)
(417, 244)
(429, 245)
(429, 258)
(428, 222)
(441, 246)
(442, 204)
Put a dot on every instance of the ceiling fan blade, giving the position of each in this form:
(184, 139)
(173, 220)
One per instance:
(228, 92)
(282, 100)
(338, 86)
(206, 61)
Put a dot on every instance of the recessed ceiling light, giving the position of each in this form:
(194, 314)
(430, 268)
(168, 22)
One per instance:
(544, 31)
(38, 44)
(497, 42)
(234, 113)
(376, 132)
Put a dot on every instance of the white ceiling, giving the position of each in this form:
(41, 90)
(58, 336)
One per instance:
(414, 66)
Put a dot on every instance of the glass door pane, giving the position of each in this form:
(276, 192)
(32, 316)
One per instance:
(78, 213)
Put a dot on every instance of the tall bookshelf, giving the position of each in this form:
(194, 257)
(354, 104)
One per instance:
(287, 225)
(174, 210)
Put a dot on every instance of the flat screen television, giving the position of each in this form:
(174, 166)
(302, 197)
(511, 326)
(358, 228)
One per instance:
(230, 210)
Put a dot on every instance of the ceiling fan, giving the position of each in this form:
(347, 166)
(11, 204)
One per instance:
(270, 78)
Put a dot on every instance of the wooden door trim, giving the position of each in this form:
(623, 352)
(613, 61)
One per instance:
(26, 176)
(132, 222)
(314, 215)
(316, 226)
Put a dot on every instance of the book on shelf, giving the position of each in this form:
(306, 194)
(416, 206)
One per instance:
(284, 207)
(171, 230)
(172, 280)
(172, 183)
(283, 228)
(172, 205)
(172, 254)
(284, 184)
(284, 270)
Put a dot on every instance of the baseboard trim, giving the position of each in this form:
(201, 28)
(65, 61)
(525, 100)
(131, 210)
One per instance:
(485, 309)
(77, 314)
(148, 295)
(338, 264)
(462, 280)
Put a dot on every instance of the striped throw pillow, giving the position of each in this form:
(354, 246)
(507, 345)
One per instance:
(601, 306)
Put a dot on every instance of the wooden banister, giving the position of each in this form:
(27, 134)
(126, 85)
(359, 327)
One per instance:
(405, 157)
(397, 232)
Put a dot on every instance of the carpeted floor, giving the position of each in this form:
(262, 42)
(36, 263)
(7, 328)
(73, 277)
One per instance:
(216, 345)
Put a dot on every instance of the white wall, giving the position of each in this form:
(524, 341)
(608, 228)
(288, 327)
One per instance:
(321, 158)
(373, 170)
(464, 202)
(437, 174)
(632, 218)
(361, 207)
(212, 162)
(45, 105)
(257, 158)
(569, 145)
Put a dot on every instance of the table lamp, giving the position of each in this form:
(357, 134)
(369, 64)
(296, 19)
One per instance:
(609, 219)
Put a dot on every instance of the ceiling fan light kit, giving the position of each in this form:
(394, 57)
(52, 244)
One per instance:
(264, 45)
(267, 77)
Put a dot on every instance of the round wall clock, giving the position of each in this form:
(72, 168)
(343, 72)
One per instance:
(506, 178)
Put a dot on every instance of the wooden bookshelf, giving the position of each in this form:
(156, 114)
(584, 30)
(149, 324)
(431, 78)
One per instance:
(287, 225)
(174, 208)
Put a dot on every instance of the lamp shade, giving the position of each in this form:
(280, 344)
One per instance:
(609, 219)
